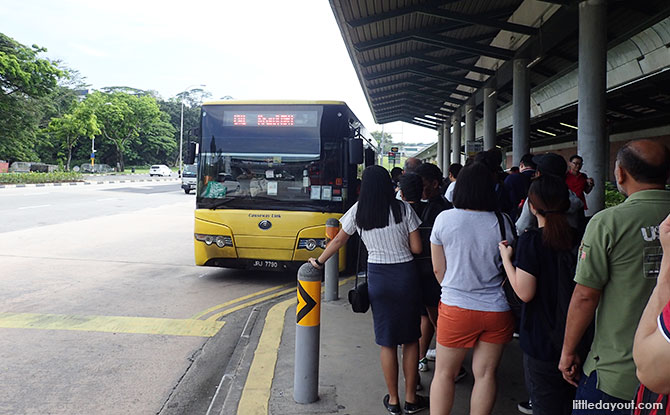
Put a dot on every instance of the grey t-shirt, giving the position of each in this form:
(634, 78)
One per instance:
(473, 279)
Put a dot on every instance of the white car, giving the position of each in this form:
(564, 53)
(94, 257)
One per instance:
(159, 170)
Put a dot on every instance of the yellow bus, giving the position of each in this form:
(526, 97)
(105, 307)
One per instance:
(270, 173)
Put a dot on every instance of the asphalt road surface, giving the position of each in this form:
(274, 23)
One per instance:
(101, 308)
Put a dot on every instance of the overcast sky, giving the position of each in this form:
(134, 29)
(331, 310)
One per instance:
(248, 49)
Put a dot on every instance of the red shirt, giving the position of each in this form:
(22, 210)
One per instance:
(577, 184)
(644, 395)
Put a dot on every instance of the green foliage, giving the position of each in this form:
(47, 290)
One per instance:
(122, 118)
(81, 122)
(55, 177)
(24, 80)
(43, 119)
(612, 195)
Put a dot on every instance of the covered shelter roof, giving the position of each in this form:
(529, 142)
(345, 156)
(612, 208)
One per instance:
(418, 61)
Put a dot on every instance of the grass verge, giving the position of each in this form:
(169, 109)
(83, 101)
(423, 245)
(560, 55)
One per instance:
(33, 177)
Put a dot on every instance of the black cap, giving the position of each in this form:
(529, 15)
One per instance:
(551, 163)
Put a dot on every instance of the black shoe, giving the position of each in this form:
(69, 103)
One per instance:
(393, 409)
(421, 403)
(525, 407)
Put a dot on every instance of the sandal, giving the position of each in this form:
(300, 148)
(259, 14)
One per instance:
(393, 409)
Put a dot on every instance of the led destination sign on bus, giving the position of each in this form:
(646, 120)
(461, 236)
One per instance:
(270, 119)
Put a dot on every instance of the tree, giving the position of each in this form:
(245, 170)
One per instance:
(192, 99)
(122, 118)
(24, 79)
(67, 129)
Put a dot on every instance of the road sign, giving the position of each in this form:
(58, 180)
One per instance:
(394, 149)
(308, 312)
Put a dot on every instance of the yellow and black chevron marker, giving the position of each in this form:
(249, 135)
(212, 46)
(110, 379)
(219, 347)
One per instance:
(308, 311)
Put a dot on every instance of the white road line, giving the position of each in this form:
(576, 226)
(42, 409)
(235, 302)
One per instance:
(109, 198)
(33, 207)
(35, 194)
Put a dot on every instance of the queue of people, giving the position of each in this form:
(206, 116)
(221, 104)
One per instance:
(439, 266)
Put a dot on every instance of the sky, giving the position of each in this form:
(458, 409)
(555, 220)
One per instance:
(246, 49)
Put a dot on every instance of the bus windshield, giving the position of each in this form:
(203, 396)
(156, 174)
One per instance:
(270, 157)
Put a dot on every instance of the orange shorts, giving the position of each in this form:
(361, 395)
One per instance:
(461, 328)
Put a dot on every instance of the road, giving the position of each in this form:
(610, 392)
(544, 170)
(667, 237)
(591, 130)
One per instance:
(101, 309)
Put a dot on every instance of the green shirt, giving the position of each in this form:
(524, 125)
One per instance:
(620, 256)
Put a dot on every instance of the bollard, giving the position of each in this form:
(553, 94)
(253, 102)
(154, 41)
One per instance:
(307, 335)
(332, 266)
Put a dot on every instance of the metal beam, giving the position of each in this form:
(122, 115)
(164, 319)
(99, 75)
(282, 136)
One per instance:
(423, 71)
(465, 46)
(445, 89)
(476, 19)
(410, 91)
(392, 14)
(446, 61)
(453, 57)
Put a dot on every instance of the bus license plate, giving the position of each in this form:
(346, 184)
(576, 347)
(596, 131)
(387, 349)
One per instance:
(265, 264)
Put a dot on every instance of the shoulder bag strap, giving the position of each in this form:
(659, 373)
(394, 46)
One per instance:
(358, 257)
(501, 225)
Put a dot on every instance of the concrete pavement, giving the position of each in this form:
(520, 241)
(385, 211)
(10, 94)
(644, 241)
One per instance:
(350, 376)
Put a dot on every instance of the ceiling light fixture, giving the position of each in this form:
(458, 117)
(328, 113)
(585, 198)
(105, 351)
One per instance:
(568, 125)
(546, 132)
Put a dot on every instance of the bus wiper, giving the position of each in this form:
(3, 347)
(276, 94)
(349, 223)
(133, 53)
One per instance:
(217, 203)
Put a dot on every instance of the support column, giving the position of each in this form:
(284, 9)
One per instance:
(469, 126)
(447, 147)
(521, 106)
(490, 108)
(456, 137)
(592, 84)
(440, 145)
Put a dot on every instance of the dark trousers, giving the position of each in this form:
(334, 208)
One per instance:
(587, 391)
(549, 392)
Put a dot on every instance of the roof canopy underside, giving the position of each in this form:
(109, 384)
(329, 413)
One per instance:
(419, 60)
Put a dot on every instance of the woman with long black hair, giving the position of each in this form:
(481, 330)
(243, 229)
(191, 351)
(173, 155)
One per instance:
(389, 229)
(542, 276)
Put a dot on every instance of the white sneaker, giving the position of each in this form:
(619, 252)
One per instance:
(423, 365)
(430, 354)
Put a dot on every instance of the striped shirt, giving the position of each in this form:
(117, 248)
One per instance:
(388, 245)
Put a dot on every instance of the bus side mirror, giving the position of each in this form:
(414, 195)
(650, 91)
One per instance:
(370, 157)
(355, 151)
(190, 154)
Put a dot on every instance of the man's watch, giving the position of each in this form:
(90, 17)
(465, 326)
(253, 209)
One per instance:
(319, 263)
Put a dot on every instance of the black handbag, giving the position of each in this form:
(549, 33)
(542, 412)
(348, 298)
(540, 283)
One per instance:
(512, 299)
(358, 296)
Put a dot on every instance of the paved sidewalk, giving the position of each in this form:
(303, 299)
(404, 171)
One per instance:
(350, 376)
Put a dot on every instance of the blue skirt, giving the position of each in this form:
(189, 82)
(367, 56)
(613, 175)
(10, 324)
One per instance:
(395, 298)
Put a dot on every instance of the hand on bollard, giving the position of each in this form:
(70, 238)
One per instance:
(315, 263)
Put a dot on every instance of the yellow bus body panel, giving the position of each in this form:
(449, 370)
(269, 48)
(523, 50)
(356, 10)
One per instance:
(277, 243)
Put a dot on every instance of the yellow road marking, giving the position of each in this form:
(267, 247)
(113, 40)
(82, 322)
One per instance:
(237, 300)
(217, 316)
(111, 324)
(256, 393)
(249, 303)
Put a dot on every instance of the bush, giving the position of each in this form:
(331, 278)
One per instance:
(612, 195)
(33, 177)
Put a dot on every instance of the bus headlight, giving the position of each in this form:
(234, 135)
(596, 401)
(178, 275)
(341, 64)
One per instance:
(220, 240)
(311, 244)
